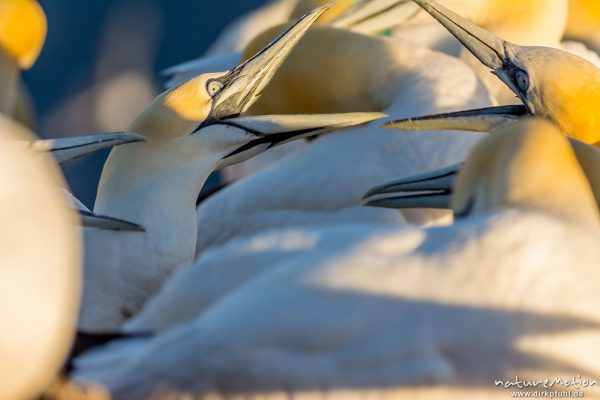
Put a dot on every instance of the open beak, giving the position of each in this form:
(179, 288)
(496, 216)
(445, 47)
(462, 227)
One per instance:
(374, 16)
(429, 190)
(479, 120)
(269, 131)
(65, 149)
(243, 85)
(91, 220)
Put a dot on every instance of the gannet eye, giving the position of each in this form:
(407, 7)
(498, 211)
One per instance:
(213, 87)
(522, 80)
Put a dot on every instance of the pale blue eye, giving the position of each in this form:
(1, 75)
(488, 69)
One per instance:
(522, 80)
(213, 87)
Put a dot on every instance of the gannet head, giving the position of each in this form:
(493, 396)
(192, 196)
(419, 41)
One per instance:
(201, 119)
(22, 30)
(528, 165)
(551, 83)
(203, 100)
(524, 165)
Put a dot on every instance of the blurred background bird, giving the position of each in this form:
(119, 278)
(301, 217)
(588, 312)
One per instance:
(40, 267)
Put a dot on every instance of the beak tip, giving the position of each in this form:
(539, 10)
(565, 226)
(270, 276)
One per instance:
(372, 193)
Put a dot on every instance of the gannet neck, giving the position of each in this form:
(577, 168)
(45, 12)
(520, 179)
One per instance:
(9, 83)
(528, 165)
(24, 111)
(589, 159)
(145, 184)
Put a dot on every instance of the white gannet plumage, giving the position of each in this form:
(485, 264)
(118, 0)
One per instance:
(405, 311)
(191, 130)
(40, 267)
(225, 268)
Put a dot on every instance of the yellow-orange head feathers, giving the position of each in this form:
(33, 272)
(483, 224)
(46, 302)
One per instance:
(528, 165)
(563, 88)
(176, 112)
(22, 30)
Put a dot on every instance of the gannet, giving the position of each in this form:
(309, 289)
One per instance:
(551, 83)
(442, 312)
(397, 79)
(40, 267)
(22, 35)
(191, 130)
(526, 23)
(433, 189)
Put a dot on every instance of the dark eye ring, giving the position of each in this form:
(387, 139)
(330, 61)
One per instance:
(522, 80)
(213, 87)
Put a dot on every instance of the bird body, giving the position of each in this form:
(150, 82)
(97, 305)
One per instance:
(387, 310)
(40, 268)
(223, 269)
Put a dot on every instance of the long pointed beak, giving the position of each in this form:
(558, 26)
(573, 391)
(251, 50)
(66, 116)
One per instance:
(91, 220)
(375, 16)
(489, 49)
(243, 85)
(429, 190)
(65, 149)
(479, 120)
(274, 130)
